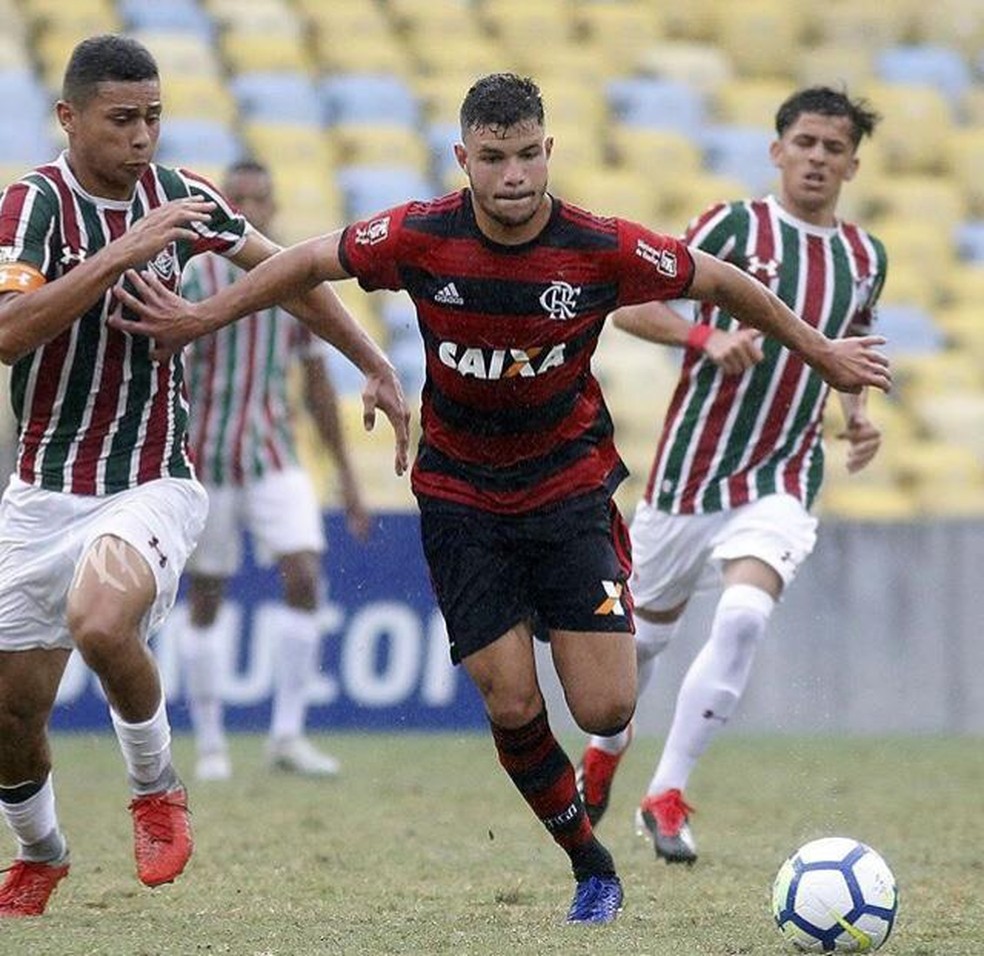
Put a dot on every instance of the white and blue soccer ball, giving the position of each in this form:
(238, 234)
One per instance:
(835, 895)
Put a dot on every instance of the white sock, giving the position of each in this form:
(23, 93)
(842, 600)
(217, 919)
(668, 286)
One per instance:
(650, 641)
(294, 666)
(201, 664)
(34, 822)
(146, 751)
(714, 683)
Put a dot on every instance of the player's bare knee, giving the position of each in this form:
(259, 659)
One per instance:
(98, 637)
(604, 717)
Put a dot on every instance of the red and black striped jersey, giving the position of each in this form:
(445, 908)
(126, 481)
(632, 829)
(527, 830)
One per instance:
(95, 414)
(512, 417)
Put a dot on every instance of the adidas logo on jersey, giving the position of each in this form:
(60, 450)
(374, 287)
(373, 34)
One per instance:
(449, 295)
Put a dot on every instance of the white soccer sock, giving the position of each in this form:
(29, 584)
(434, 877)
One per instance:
(201, 664)
(714, 683)
(34, 822)
(146, 749)
(294, 666)
(651, 639)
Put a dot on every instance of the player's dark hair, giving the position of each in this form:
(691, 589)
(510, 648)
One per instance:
(501, 100)
(247, 166)
(828, 102)
(105, 58)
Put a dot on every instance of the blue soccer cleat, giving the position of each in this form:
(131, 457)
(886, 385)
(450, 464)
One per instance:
(598, 899)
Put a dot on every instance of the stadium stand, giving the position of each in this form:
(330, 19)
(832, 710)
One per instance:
(658, 110)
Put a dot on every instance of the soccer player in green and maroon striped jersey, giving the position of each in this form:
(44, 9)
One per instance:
(741, 456)
(104, 507)
(243, 438)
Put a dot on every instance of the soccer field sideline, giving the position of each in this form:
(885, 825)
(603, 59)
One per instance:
(423, 847)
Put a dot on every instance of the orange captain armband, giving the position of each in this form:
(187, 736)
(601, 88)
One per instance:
(20, 277)
(698, 335)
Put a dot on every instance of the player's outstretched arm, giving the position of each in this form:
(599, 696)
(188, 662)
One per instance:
(863, 436)
(732, 352)
(847, 364)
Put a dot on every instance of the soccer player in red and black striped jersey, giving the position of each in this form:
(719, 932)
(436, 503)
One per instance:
(517, 464)
(741, 455)
(104, 507)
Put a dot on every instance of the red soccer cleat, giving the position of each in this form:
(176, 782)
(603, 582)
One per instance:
(162, 842)
(664, 818)
(29, 886)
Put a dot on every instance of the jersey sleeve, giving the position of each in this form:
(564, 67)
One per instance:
(370, 249)
(28, 216)
(226, 231)
(866, 316)
(652, 265)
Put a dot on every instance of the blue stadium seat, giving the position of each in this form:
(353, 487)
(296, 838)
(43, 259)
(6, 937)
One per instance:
(187, 142)
(179, 16)
(661, 103)
(369, 189)
(938, 66)
(24, 96)
(27, 142)
(276, 97)
(741, 152)
(367, 98)
(909, 329)
(970, 240)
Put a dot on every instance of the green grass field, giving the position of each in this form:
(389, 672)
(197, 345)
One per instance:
(424, 847)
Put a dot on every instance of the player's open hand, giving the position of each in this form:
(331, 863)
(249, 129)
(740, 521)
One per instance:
(853, 363)
(864, 438)
(162, 315)
(734, 352)
(167, 223)
(383, 391)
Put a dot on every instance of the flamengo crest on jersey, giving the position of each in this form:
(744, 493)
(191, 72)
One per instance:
(241, 423)
(95, 414)
(729, 439)
(513, 418)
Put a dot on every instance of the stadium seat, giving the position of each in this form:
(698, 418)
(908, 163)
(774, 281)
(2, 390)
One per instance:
(190, 142)
(255, 16)
(663, 104)
(762, 37)
(370, 189)
(611, 192)
(926, 248)
(947, 371)
(441, 137)
(377, 52)
(859, 23)
(938, 66)
(520, 26)
(909, 330)
(290, 144)
(367, 98)
(617, 34)
(179, 16)
(198, 95)
(281, 96)
(906, 107)
(914, 197)
(956, 417)
(375, 144)
(243, 51)
(15, 49)
(704, 66)
(24, 96)
(689, 196)
(866, 502)
(970, 240)
(180, 54)
(964, 160)
(80, 17)
(749, 102)
(644, 149)
(464, 56)
(963, 284)
(741, 152)
(834, 64)
(26, 141)
(953, 23)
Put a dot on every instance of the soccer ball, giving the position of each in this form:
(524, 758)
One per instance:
(835, 895)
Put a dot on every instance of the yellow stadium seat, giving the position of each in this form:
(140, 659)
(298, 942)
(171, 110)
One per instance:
(942, 463)
(956, 417)
(255, 16)
(576, 146)
(472, 55)
(611, 192)
(243, 51)
(643, 149)
(569, 102)
(750, 102)
(441, 22)
(861, 23)
(14, 49)
(695, 20)
(297, 142)
(914, 197)
(338, 52)
(180, 54)
(82, 17)
(937, 373)
(686, 197)
(197, 95)
(864, 502)
(915, 244)
(953, 23)
(907, 108)
(964, 149)
(704, 66)
(520, 26)
(618, 34)
(370, 144)
(963, 285)
(762, 37)
(834, 64)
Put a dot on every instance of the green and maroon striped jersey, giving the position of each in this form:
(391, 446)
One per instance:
(729, 439)
(241, 419)
(96, 415)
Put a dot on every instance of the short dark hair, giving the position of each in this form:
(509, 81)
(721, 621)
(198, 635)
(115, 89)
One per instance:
(106, 58)
(501, 100)
(247, 165)
(828, 102)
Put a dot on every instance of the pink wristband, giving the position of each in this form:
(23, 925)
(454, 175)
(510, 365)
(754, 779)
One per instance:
(697, 337)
